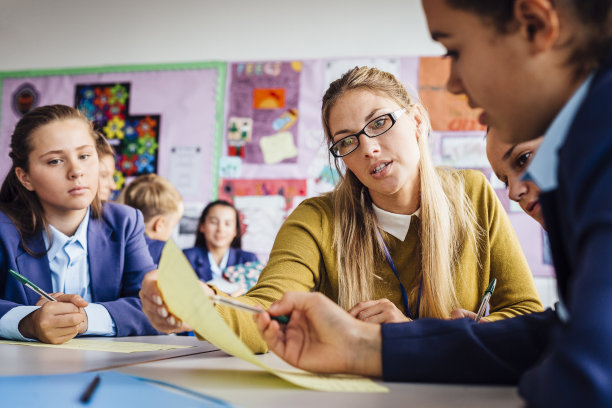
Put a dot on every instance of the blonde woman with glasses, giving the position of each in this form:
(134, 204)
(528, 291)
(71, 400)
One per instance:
(397, 239)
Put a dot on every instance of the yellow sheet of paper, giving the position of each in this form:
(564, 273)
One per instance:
(100, 345)
(185, 298)
(278, 147)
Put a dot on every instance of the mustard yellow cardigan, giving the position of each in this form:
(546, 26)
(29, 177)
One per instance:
(302, 260)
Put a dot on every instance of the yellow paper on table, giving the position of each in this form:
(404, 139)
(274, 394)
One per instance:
(99, 345)
(185, 298)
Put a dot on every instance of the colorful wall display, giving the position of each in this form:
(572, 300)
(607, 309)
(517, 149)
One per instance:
(261, 146)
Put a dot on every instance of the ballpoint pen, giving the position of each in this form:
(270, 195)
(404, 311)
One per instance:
(91, 388)
(247, 308)
(485, 299)
(32, 286)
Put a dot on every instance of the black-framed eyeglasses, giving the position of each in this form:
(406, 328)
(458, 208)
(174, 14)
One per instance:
(373, 128)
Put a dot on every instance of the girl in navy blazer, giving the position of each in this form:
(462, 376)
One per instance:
(55, 232)
(218, 245)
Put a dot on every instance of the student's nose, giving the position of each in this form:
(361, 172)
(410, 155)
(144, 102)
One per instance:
(517, 189)
(454, 83)
(76, 170)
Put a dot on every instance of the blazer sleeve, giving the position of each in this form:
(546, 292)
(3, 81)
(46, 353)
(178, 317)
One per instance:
(126, 309)
(463, 351)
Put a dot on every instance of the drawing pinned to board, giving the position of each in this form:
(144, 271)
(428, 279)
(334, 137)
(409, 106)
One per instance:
(25, 98)
(133, 137)
(268, 93)
(288, 188)
(278, 147)
(230, 167)
(239, 133)
(446, 111)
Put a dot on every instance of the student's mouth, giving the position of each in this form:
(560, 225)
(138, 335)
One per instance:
(532, 207)
(77, 190)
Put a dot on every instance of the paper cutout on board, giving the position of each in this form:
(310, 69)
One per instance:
(185, 298)
(262, 217)
(239, 133)
(264, 92)
(446, 111)
(287, 188)
(230, 167)
(286, 120)
(278, 147)
(270, 98)
(464, 151)
(24, 99)
(185, 170)
(99, 345)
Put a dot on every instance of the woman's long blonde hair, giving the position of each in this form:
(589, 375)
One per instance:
(448, 220)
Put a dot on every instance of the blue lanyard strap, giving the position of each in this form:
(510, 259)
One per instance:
(404, 295)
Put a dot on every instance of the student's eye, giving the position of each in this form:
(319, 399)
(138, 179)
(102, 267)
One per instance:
(85, 156)
(523, 160)
(54, 162)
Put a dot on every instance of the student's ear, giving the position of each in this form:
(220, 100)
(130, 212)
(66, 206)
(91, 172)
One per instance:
(539, 23)
(158, 223)
(24, 178)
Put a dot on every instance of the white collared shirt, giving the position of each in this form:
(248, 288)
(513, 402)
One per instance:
(394, 224)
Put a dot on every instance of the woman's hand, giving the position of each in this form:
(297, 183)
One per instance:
(462, 313)
(321, 337)
(378, 311)
(155, 309)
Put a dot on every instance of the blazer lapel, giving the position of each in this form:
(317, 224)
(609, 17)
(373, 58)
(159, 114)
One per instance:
(36, 269)
(103, 251)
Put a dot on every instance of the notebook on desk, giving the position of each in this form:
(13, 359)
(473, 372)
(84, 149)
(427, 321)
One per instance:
(113, 390)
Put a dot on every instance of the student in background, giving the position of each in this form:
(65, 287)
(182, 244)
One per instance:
(509, 161)
(397, 239)
(536, 67)
(161, 206)
(218, 245)
(55, 231)
(106, 155)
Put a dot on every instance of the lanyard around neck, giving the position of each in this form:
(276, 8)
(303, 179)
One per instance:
(404, 295)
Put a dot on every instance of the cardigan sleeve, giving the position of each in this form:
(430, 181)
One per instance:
(294, 265)
(515, 293)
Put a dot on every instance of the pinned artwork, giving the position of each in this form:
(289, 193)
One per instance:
(25, 99)
(268, 93)
(447, 111)
(278, 147)
(135, 138)
(239, 133)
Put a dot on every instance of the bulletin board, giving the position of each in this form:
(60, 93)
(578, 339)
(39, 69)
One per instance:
(249, 132)
(159, 118)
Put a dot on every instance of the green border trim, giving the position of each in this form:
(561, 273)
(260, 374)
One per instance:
(221, 68)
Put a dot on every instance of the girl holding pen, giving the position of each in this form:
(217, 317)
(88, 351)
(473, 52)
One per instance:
(56, 233)
(397, 239)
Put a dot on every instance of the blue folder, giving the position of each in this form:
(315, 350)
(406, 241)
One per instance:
(114, 390)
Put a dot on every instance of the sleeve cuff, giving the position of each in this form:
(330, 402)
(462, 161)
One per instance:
(99, 321)
(9, 323)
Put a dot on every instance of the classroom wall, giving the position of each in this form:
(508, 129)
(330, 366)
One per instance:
(38, 34)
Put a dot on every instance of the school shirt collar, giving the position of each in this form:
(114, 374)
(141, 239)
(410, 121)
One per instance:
(394, 224)
(60, 239)
(543, 169)
(217, 270)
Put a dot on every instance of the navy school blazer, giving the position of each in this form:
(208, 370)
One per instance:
(155, 248)
(198, 258)
(558, 362)
(118, 259)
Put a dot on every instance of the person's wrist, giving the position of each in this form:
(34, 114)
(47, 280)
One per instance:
(26, 326)
(365, 350)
